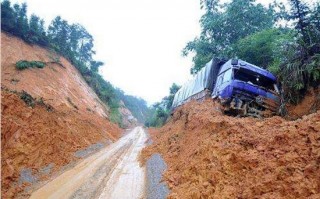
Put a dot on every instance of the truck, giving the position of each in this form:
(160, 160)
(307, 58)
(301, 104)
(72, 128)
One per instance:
(242, 89)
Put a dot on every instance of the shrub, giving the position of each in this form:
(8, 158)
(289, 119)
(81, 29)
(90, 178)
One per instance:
(23, 64)
(28, 99)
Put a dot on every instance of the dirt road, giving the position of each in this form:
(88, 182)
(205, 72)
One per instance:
(114, 172)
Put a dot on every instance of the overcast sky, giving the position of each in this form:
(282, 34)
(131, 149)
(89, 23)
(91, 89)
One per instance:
(140, 41)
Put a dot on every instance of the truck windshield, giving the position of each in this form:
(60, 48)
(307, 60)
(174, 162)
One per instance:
(253, 78)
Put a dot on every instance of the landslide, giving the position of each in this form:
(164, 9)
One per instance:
(309, 104)
(210, 155)
(35, 137)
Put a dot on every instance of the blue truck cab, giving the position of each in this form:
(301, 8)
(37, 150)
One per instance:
(247, 89)
(242, 88)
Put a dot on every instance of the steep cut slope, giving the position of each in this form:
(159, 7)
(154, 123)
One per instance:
(210, 155)
(309, 104)
(67, 116)
(57, 85)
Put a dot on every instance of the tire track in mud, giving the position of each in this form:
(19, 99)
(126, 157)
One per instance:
(113, 170)
(128, 178)
(92, 188)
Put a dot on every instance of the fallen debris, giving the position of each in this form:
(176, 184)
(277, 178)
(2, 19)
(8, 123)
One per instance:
(210, 155)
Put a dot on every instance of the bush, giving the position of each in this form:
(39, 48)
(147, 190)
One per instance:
(23, 64)
(115, 116)
(28, 99)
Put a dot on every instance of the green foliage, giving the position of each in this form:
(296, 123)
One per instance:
(168, 100)
(95, 66)
(159, 113)
(28, 99)
(137, 106)
(23, 64)
(73, 42)
(157, 116)
(247, 30)
(261, 48)
(223, 25)
(299, 61)
(116, 117)
(7, 17)
(299, 13)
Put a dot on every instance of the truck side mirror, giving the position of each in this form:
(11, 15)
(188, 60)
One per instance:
(234, 62)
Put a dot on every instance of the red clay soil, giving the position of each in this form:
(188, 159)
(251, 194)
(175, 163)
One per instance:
(33, 137)
(210, 155)
(310, 104)
(57, 85)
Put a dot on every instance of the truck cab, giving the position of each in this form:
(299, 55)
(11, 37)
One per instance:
(245, 89)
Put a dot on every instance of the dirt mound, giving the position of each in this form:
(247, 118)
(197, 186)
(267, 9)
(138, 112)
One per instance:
(66, 116)
(210, 155)
(310, 104)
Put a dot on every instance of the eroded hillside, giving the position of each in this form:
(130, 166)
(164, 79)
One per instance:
(210, 155)
(38, 137)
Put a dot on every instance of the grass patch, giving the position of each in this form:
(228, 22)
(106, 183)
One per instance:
(28, 99)
(116, 117)
(23, 64)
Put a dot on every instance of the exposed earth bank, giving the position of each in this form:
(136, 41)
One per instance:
(210, 155)
(43, 127)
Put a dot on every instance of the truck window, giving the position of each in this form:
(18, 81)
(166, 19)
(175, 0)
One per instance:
(220, 80)
(227, 75)
(253, 78)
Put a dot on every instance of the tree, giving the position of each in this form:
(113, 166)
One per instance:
(35, 29)
(81, 43)
(8, 20)
(299, 12)
(59, 35)
(261, 48)
(169, 100)
(21, 25)
(160, 111)
(223, 25)
(94, 66)
(75, 43)
(300, 59)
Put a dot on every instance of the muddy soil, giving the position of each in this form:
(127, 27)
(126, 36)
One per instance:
(310, 104)
(210, 155)
(34, 138)
(45, 138)
(114, 172)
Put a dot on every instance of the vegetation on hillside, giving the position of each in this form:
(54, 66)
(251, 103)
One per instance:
(137, 106)
(73, 42)
(23, 64)
(159, 112)
(287, 42)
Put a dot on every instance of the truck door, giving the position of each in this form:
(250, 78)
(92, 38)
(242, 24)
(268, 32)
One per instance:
(216, 90)
(223, 81)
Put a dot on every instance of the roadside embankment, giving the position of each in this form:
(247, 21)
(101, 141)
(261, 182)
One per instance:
(47, 115)
(210, 155)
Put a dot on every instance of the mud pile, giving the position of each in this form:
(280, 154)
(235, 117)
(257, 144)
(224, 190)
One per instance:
(210, 155)
(67, 116)
(310, 104)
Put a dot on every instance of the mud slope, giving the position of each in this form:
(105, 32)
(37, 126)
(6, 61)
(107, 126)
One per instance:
(33, 138)
(57, 85)
(210, 155)
(310, 104)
